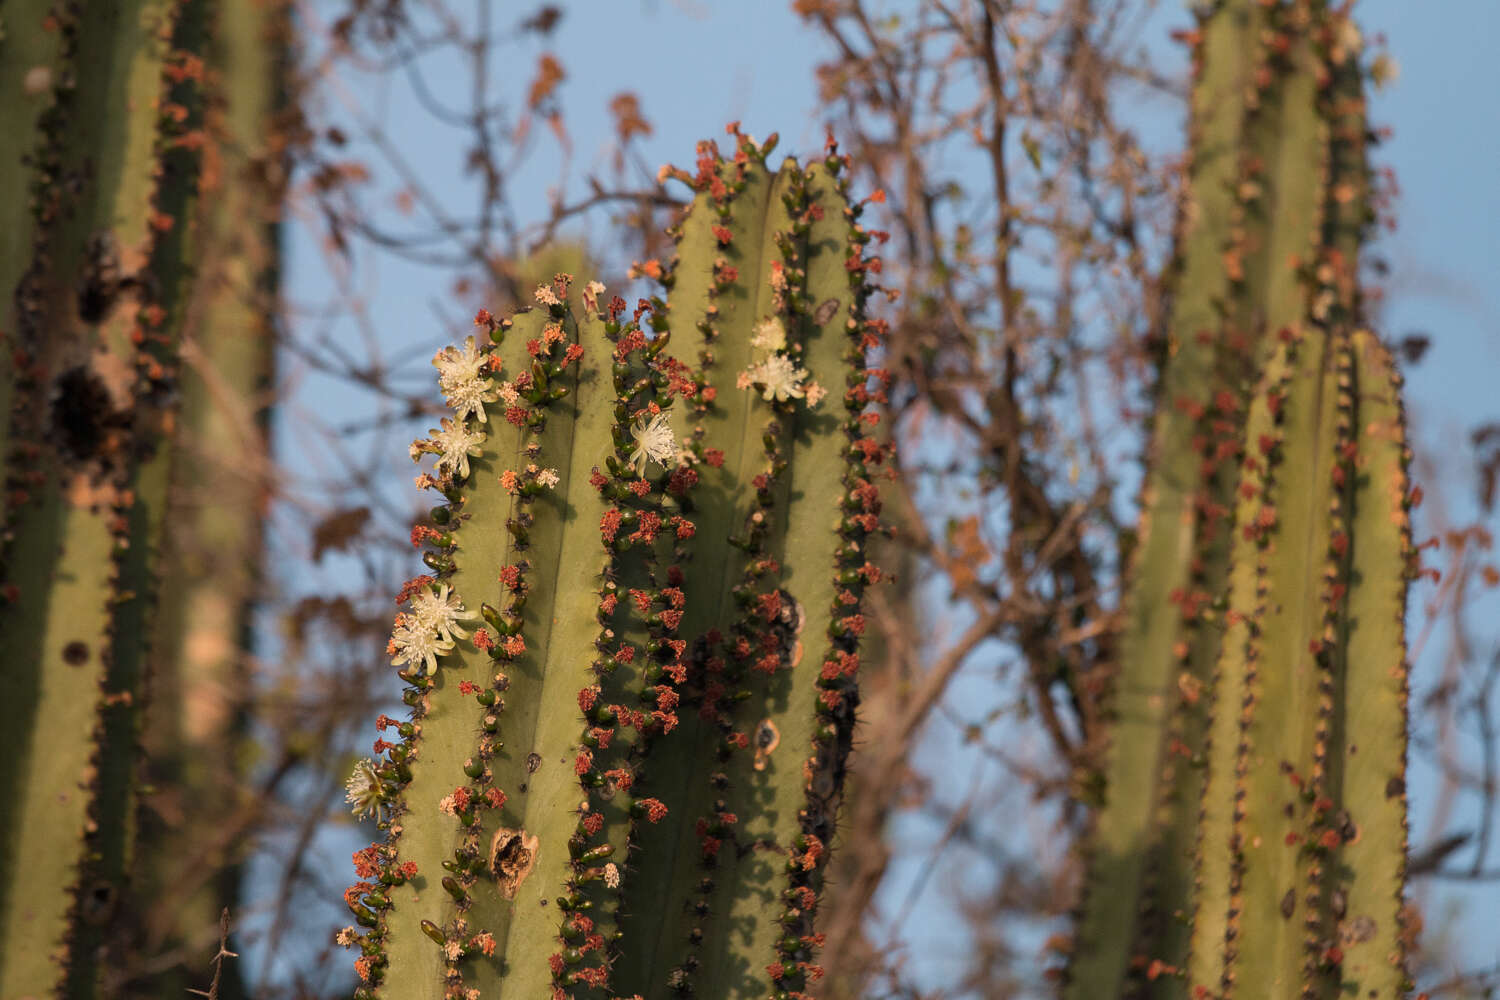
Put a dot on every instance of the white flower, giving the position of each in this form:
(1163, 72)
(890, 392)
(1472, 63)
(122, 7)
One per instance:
(815, 393)
(470, 397)
(547, 477)
(653, 441)
(455, 443)
(778, 377)
(348, 937)
(509, 395)
(770, 335)
(459, 375)
(612, 875)
(454, 365)
(591, 295)
(546, 296)
(363, 790)
(440, 613)
(410, 643)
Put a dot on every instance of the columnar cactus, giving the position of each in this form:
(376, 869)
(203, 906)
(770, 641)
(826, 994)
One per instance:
(1276, 210)
(195, 733)
(632, 668)
(107, 105)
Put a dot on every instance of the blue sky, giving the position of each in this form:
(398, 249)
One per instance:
(696, 64)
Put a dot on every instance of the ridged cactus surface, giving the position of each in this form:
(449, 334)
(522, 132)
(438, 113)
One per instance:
(1276, 209)
(1303, 836)
(632, 667)
(99, 226)
(194, 727)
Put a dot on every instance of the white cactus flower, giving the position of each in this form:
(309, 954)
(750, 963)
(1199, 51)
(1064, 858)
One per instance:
(440, 613)
(778, 378)
(363, 791)
(411, 643)
(455, 443)
(459, 375)
(770, 335)
(591, 295)
(653, 441)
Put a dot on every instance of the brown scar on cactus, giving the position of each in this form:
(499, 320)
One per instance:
(513, 855)
(767, 739)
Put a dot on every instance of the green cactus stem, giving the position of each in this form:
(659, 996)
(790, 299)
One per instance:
(784, 601)
(194, 728)
(115, 108)
(632, 667)
(32, 57)
(1276, 197)
(1304, 806)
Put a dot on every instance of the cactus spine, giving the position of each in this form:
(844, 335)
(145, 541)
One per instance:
(661, 565)
(1213, 690)
(111, 117)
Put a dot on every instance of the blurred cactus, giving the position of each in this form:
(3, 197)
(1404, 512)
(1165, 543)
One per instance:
(195, 728)
(1267, 593)
(632, 666)
(108, 106)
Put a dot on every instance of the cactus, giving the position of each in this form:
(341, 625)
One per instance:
(111, 119)
(1232, 567)
(194, 724)
(631, 669)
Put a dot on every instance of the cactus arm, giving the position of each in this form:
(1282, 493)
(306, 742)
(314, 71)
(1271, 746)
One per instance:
(736, 938)
(1280, 755)
(723, 313)
(195, 725)
(1129, 840)
(1239, 652)
(748, 843)
(1370, 929)
(1314, 871)
(1243, 276)
(562, 607)
(80, 564)
(539, 808)
(699, 311)
(825, 571)
(450, 728)
(31, 58)
(1291, 206)
(1267, 703)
